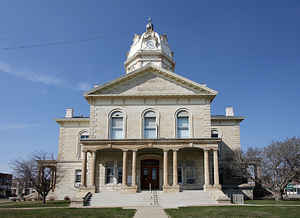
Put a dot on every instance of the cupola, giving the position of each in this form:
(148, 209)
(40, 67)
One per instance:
(150, 47)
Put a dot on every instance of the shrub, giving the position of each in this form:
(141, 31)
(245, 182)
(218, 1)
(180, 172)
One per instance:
(67, 198)
(51, 198)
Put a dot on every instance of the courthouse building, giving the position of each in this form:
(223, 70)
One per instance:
(148, 129)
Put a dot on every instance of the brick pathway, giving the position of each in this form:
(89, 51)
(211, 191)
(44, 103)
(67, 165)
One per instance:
(150, 212)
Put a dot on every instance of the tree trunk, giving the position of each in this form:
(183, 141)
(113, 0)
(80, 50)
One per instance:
(278, 196)
(44, 199)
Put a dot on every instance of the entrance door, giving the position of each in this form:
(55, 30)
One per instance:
(150, 174)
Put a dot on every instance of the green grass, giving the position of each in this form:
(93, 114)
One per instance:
(284, 202)
(27, 204)
(235, 212)
(68, 212)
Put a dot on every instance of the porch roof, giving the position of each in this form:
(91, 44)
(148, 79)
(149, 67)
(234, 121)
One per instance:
(163, 143)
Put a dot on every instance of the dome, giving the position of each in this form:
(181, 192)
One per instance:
(150, 47)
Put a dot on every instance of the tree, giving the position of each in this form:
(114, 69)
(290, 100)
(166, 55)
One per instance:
(276, 165)
(39, 171)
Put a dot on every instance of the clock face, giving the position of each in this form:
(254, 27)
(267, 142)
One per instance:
(150, 44)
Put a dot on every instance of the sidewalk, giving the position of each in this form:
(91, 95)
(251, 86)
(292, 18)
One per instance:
(150, 212)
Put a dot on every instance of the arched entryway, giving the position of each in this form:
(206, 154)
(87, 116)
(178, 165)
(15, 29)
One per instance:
(149, 174)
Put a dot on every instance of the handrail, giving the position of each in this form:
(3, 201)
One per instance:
(86, 198)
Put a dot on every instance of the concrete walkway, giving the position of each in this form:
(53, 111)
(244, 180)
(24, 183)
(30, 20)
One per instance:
(150, 212)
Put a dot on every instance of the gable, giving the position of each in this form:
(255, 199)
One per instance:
(147, 83)
(151, 80)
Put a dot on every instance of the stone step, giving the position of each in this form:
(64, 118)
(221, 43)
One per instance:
(165, 200)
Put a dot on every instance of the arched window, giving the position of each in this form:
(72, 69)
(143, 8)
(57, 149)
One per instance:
(182, 123)
(150, 127)
(214, 133)
(117, 125)
(82, 136)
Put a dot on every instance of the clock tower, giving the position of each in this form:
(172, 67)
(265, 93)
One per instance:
(150, 47)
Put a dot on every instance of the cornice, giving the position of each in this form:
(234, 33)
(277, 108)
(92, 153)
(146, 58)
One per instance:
(227, 118)
(148, 53)
(150, 141)
(81, 119)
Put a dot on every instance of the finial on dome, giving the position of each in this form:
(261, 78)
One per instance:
(149, 26)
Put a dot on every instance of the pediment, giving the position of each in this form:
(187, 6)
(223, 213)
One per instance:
(151, 81)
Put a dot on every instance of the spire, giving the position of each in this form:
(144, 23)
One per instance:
(149, 26)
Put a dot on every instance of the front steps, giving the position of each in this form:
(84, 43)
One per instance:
(155, 198)
(119, 199)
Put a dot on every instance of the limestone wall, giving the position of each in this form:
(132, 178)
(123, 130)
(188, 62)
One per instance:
(199, 110)
(69, 148)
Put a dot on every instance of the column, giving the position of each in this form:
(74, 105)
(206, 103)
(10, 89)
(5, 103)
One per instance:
(165, 168)
(93, 163)
(216, 169)
(133, 183)
(124, 175)
(83, 169)
(175, 176)
(206, 169)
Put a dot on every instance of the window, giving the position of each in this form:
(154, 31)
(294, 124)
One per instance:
(183, 125)
(109, 172)
(150, 128)
(113, 172)
(190, 172)
(84, 135)
(214, 133)
(77, 176)
(179, 173)
(117, 125)
(120, 171)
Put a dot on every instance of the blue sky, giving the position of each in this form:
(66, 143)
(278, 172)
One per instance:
(249, 51)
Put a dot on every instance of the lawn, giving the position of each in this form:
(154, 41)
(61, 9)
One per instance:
(68, 212)
(24, 204)
(265, 202)
(235, 212)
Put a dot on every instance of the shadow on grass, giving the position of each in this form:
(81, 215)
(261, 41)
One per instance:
(235, 211)
(27, 204)
(68, 212)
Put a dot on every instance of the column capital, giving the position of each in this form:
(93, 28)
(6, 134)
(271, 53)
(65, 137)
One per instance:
(125, 150)
(206, 149)
(175, 149)
(166, 149)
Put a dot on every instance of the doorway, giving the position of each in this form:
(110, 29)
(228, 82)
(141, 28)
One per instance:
(150, 174)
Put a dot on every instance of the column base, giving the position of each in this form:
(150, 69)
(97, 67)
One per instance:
(129, 189)
(218, 186)
(207, 187)
(87, 189)
(168, 188)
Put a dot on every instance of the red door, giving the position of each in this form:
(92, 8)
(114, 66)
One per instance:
(150, 174)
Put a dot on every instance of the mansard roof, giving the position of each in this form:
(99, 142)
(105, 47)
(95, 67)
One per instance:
(188, 87)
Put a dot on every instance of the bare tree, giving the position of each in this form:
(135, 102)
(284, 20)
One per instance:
(276, 165)
(39, 172)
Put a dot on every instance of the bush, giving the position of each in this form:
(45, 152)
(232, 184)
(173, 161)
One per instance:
(67, 198)
(51, 198)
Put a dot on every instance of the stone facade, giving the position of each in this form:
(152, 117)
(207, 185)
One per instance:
(91, 158)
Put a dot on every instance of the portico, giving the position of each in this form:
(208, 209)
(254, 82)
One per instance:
(163, 176)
